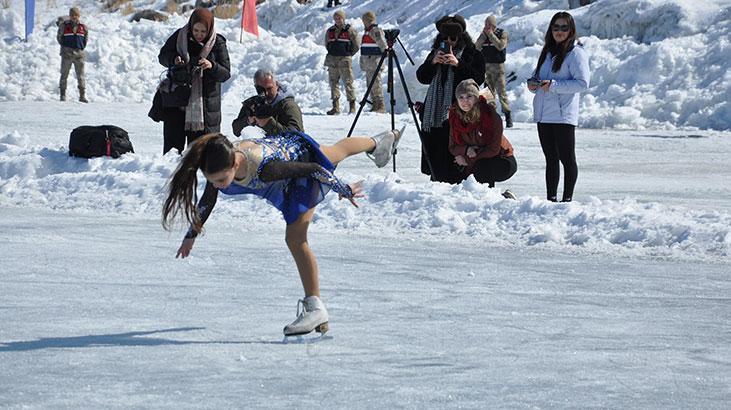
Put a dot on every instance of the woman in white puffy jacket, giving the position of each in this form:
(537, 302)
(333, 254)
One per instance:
(561, 74)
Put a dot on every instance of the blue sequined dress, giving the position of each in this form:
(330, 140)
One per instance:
(293, 196)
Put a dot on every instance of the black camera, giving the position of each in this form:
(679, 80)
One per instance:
(180, 75)
(257, 106)
(391, 34)
(184, 74)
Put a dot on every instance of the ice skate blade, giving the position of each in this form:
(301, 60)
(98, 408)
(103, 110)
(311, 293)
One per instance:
(321, 328)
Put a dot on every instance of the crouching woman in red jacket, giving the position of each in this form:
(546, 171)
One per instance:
(476, 138)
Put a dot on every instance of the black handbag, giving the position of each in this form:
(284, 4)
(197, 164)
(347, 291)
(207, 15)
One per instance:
(175, 89)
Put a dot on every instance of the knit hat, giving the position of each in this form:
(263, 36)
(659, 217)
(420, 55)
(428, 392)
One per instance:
(469, 87)
(368, 17)
(340, 13)
(491, 19)
(451, 22)
(74, 11)
(201, 15)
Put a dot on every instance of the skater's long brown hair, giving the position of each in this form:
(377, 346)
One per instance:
(210, 153)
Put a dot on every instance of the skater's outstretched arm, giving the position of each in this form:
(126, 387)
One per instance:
(205, 207)
(278, 170)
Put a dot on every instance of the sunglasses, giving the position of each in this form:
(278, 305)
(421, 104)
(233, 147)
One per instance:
(560, 27)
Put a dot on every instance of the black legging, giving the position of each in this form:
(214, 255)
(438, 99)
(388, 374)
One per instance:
(496, 169)
(436, 143)
(557, 142)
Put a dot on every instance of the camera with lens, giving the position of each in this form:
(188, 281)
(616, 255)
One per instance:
(257, 106)
(180, 75)
(184, 74)
(391, 34)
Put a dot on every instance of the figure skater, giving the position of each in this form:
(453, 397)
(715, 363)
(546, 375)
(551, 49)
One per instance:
(293, 172)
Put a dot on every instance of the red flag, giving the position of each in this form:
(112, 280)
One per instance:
(249, 21)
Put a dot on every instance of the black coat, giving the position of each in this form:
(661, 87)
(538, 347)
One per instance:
(436, 142)
(471, 65)
(219, 72)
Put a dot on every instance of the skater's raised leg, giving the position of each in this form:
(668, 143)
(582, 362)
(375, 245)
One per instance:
(379, 148)
(347, 147)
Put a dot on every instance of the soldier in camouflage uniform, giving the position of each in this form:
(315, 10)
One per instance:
(493, 43)
(341, 41)
(72, 36)
(371, 49)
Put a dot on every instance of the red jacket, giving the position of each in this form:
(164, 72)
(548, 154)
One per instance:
(486, 135)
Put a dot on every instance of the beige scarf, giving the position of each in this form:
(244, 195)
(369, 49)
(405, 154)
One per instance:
(194, 120)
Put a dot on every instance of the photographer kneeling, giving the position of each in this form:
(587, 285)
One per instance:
(273, 109)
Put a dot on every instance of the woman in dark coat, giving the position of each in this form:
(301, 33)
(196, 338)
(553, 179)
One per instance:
(197, 45)
(453, 58)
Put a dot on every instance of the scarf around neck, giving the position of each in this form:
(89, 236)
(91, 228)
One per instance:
(194, 120)
(439, 96)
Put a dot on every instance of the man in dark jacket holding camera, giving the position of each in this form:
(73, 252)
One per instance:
(273, 109)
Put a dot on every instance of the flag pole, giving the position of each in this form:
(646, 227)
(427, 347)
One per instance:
(241, 33)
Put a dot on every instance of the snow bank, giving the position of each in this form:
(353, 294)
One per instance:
(47, 177)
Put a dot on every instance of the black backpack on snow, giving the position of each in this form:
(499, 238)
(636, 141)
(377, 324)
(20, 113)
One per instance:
(96, 141)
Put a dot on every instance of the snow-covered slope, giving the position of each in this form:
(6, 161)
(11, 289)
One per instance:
(655, 63)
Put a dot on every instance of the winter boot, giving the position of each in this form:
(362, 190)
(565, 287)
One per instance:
(386, 143)
(63, 94)
(313, 316)
(378, 106)
(351, 107)
(82, 95)
(335, 109)
(508, 120)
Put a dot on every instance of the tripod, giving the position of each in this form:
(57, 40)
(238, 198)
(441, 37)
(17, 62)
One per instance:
(391, 39)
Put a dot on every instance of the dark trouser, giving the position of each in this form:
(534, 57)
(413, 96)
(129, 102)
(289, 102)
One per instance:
(496, 169)
(436, 144)
(173, 131)
(557, 142)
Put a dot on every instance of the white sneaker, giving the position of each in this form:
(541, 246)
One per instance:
(386, 143)
(508, 194)
(312, 317)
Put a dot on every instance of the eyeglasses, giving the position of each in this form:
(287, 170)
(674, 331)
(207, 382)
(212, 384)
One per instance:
(560, 27)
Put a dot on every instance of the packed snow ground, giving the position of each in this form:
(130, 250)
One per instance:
(440, 296)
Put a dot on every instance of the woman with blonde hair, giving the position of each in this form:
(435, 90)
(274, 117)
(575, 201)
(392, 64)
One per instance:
(476, 138)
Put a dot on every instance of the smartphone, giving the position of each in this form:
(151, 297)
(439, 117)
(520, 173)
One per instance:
(534, 81)
(444, 48)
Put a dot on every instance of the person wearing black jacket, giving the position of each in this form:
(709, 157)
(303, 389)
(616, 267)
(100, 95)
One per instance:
(453, 58)
(276, 110)
(197, 46)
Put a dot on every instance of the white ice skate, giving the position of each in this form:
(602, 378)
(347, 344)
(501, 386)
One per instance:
(312, 317)
(386, 143)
